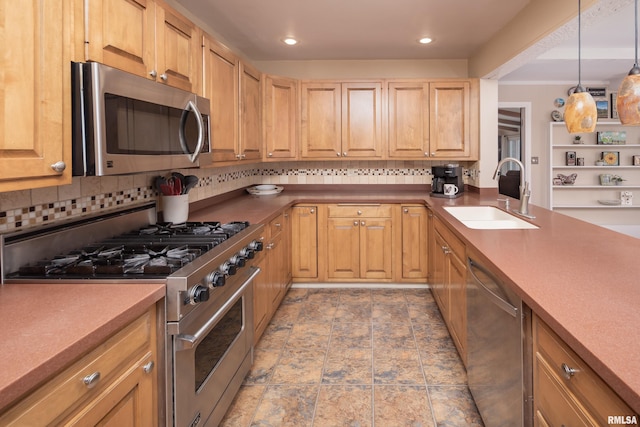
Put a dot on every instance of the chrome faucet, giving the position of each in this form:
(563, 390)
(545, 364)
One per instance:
(525, 192)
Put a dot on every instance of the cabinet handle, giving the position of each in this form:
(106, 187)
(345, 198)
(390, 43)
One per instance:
(356, 223)
(426, 154)
(433, 154)
(277, 224)
(406, 210)
(362, 223)
(92, 379)
(148, 367)
(153, 73)
(163, 77)
(271, 245)
(359, 212)
(270, 154)
(567, 371)
(446, 250)
(344, 154)
(312, 211)
(338, 154)
(59, 166)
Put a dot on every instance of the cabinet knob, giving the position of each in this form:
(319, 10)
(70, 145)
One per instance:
(406, 210)
(148, 367)
(270, 154)
(312, 211)
(153, 73)
(163, 77)
(567, 371)
(277, 224)
(59, 166)
(344, 154)
(271, 245)
(355, 223)
(338, 154)
(359, 212)
(433, 154)
(362, 223)
(92, 379)
(426, 154)
(446, 250)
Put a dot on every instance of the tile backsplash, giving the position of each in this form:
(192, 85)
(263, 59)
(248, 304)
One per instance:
(31, 208)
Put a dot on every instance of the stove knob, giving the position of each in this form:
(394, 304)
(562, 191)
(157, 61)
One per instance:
(228, 268)
(256, 245)
(198, 294)
(248, 253)
(238, 260)
(215, 279)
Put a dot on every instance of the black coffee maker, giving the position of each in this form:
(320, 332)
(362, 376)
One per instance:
(447, 181)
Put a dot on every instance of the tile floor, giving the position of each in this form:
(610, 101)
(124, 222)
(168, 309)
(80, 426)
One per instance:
(355, 357)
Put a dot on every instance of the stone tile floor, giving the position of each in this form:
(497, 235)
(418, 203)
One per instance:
(355, 357)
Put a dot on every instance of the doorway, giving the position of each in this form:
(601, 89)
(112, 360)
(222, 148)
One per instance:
(514, 136)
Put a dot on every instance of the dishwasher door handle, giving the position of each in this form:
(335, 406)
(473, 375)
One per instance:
(496, 299)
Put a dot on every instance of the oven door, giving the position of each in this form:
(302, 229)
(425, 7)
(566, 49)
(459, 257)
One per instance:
(213, 353)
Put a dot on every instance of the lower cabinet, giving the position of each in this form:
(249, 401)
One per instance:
(271, 285)
(304, 242)
(415, 238)
(114, 385)
(448, 282)
(566, 391)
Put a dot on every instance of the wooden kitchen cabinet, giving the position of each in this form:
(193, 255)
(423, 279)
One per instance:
(304, 242)
(433, 119)
(261, 298)
(280, 125)
(341, 120)
(448, 282)
(359, 242)
(35, 87)
(566, 391)
(250, 147)
(415, 238)
(115, 384)
(146, 38)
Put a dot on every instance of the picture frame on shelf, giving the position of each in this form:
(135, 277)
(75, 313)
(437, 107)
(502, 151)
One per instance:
(611, 158)
(614, 107)
(636, 160)
(603, 109)
(571, 158)
(611, 137)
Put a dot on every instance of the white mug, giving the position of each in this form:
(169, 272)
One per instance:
(451, 189)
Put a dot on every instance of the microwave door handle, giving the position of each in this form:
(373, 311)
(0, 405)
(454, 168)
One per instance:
(183, 142)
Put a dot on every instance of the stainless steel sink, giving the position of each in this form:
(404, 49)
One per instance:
(488, 218)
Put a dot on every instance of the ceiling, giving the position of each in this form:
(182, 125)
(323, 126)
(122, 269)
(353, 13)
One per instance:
(385, 29)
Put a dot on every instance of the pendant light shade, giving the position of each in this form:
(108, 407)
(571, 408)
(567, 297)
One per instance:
(628, 103)
(580, 114)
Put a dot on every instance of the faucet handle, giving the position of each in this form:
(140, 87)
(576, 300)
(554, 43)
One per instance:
(506, 202)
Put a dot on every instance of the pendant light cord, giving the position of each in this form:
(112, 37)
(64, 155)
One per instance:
(635, 64)
(579, 47)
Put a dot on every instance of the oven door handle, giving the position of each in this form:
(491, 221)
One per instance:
(188, 341)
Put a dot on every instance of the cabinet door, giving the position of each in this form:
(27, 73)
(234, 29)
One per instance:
(458, 304)
(304, 241)
(121, 34)
(343, 248)
(321, 120)
(280, 118)
(221, 87)
(415, 237)
(450, 122)
(277, 275)
(362, 119)
(261, 299)
(128, 402)
(376, 248)
(35, 94)
(250, 113)
(178, 50)
(409, 120)
(439, 274)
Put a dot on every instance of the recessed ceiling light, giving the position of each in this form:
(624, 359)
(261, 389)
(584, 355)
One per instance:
(425, 40)
(290, 41)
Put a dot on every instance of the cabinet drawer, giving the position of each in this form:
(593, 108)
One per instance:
(359, 211)
(455, 244)
(553, 405)
(68, 391)
(585, 384)
(276, 225)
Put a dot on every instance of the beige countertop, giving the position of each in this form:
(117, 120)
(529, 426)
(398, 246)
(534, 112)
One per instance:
(579, 278)
(45, 327)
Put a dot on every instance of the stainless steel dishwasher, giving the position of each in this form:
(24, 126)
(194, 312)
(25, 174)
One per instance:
(498, 349)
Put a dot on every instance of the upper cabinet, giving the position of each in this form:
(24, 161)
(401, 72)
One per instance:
(234, 90)
(280, 120)
(341, 120)
(35, 94)
(433, 119)
(147, 38)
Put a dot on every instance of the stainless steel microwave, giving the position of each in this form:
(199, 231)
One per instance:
(124, 124)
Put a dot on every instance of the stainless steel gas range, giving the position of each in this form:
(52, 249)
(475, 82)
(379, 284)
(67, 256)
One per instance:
(208, 270)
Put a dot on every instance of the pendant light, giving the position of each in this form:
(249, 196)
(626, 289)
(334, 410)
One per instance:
(580, 115)
(628, 102)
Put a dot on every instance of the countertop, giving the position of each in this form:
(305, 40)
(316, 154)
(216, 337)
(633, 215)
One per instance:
(45, 327)
(579, 278)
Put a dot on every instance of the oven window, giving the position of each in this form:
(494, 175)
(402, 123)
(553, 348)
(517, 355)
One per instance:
(143, 128)
(213, 347)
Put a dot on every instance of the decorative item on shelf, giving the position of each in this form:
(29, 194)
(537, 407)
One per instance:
(626, 198)
(602, 107)
(636, 161)
(617, 179)
(580, 161)
(556, 116)
(577, 139)
(613, 202)
(580, 114)
(558, 102)
(611, 158)
(570, 158)
(611, 137)
(614, 106)
(557, 181)
(599, 162)
(605, 179)
(628, 99)
(567, 179)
